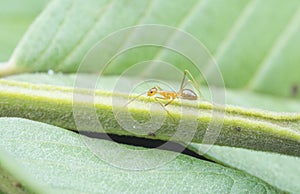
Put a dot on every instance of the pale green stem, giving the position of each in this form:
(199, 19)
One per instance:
(7, 68)
(246, 128)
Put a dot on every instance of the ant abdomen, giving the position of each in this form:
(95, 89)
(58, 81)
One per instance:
(188, 94)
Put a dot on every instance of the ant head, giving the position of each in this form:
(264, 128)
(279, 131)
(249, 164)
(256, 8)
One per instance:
(152, 91)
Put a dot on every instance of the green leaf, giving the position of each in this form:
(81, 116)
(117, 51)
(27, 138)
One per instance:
(62, 162)
(247, 128)
(275, 169)
(254, 42)
(13, 177)
(15, 17)
(228, 29)
(281, 171)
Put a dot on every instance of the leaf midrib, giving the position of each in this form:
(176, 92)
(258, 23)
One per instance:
(250, 122)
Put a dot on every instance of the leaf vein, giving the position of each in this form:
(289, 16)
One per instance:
(278, 46)
(50, 43)
(89, 31)
(180, 25)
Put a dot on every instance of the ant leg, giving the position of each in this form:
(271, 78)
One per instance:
(193, 82)
(182, 85)
(169, 102)
(163, 106)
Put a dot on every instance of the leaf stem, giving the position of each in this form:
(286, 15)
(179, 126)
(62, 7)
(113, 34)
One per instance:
(246, 128)
(7, 68)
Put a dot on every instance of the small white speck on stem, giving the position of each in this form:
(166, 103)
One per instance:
(50, 72)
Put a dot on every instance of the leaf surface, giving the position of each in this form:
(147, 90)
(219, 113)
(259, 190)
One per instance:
(277, 170)
(61, 160)
(15, 17)
(259, 35)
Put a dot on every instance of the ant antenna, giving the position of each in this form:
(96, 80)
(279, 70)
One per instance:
(133, 99)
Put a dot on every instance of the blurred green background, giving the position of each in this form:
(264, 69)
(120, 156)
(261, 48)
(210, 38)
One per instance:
(15, 18)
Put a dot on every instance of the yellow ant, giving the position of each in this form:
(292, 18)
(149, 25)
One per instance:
(183, 92)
